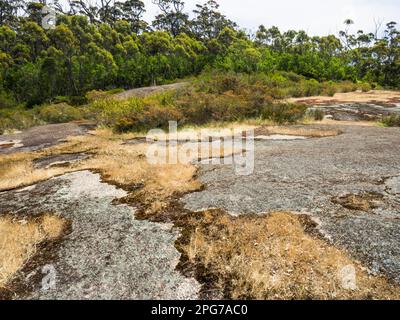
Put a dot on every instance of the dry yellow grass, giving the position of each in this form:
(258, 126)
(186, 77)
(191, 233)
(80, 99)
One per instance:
(19, 241)
(259, 257)
(123, 164)
(364, 202)
(272, 257)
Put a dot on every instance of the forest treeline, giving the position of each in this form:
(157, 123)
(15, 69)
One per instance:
(109, 45)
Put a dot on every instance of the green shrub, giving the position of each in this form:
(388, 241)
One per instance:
(392, 121)
(115, 91)
(329, 91)
(6, 100)
(347, 86)
(294, 77)
(365, 87)
(5, 124)
(296, 91)
(60, 99)
(312, 88)
(316, 114)
(223, 83)
(58, 113)
(17, 118)
(150, 118)
(107, 111)
(278, 93)
(95, 95)
(284, 113)
(78, 100)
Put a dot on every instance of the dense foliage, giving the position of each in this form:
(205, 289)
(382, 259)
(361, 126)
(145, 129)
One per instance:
(212, 97)
(109, 46)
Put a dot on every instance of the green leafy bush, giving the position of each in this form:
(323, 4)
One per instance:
(149, 118)
(17, 118)
(392, 121)
(347, 86)
(365, 87)
(58, 113)
(115, 91)
(284, 113)
(6, 100)
(78, 100)
(316, 114)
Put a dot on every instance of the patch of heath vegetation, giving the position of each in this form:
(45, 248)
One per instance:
(391, 121)
(215, 97)
(228, 97)
(212, 97)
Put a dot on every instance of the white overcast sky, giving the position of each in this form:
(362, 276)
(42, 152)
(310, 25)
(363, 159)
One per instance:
(317, 17)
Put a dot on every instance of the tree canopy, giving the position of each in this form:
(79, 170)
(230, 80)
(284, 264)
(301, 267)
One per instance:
(106, 44)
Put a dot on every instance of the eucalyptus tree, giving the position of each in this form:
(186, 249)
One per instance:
(208, 21)
(132, 11)
(9, 11)
(172, 18)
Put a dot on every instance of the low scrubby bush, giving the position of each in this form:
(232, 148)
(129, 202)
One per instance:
(365, 87)
(315, 114)
(6, 100)
(147, 119)
(392, 121)
(17, 118)
(58, 113)
(284, 112)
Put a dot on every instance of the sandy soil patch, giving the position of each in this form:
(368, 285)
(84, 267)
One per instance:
(374, 96)
(347, 123)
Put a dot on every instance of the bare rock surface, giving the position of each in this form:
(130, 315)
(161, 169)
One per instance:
(40, 137)
(108, 254)
(308, 175)
(146, 91)
(393, 185)
(59, 160)
(359, 111)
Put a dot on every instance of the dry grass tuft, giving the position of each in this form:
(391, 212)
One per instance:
(19, 240)
(363, 202)
(272, 257)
